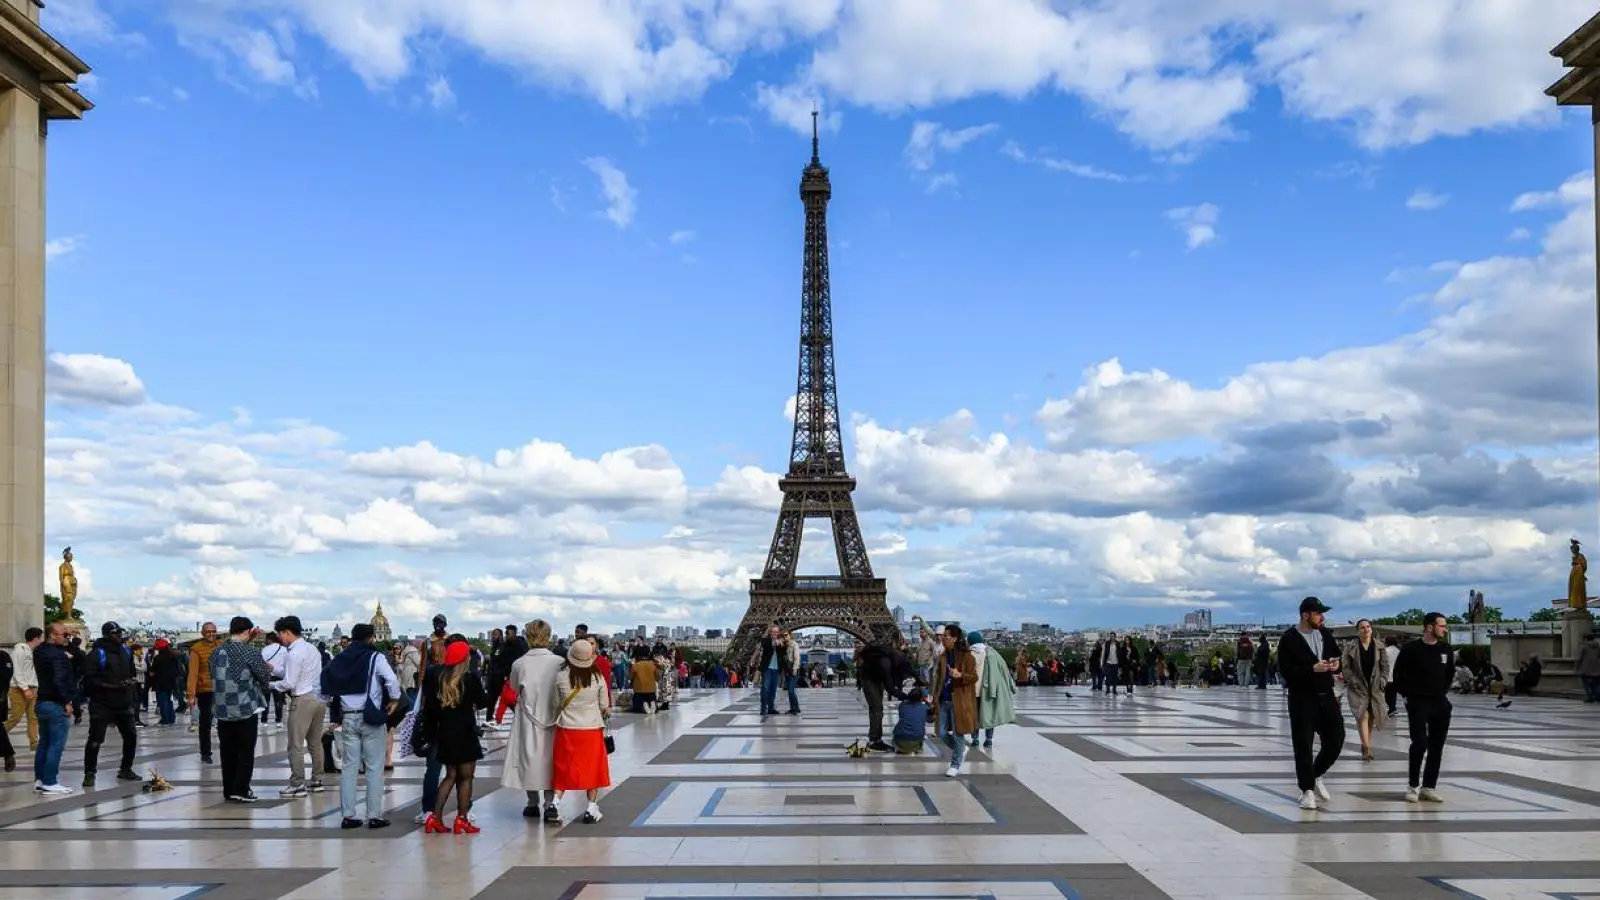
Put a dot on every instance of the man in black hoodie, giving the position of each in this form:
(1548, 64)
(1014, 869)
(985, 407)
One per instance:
(1308, 655)
(880, 670)
(109, 681)
(1422, 674)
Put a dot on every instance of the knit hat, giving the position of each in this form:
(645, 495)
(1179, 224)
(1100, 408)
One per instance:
(975, 637)
(580, 655)
(457, 653)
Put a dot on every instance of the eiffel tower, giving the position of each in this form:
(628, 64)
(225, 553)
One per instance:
(817, 485)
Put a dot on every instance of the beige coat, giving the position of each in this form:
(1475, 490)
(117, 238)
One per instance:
(1365, 696)
(533, 731)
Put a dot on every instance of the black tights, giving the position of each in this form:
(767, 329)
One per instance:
(457, 778)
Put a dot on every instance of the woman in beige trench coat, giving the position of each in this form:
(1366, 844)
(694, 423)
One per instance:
(1365, 668)
(527, 766)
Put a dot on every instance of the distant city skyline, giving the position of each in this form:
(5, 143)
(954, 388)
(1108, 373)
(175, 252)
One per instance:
(518, 339)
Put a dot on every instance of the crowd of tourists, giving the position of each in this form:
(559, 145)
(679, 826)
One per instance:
(346, 711)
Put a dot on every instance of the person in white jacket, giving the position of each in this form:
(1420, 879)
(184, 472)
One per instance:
(24, 688)
(980, 654)
(533, 729)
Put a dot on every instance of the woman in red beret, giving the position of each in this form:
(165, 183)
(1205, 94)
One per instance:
(451, 699)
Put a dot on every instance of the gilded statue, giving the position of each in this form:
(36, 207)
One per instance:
(1578, 580)
(69, 584)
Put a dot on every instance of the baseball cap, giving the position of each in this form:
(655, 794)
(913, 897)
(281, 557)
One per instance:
(1312, 604)
(110, 629)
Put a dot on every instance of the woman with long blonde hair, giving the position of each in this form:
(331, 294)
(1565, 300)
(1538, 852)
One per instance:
(451, 699)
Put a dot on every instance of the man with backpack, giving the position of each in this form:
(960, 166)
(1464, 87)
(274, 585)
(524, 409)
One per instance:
(110, 682)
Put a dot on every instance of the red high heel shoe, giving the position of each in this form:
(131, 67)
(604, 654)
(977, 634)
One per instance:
(434, 825)
(462, 826)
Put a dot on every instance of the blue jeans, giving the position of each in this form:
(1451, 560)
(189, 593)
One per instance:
(164, 707)
(52, 740)
(947, 733)
(789, 681)
(364, 745)
(769, 690)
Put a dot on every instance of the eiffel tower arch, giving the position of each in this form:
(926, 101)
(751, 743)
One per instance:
(817, 485)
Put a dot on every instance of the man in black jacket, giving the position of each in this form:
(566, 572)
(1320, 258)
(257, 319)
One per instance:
(1308, 656)
(109, 681)
(1422, 674)
(880, 670)
(58, 690)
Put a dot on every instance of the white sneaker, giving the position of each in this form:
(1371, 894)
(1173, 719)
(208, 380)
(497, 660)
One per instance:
(952, 772)
(1431, 796)
(1412, 795)
(1322, 791)
(1308, 800)
(59, 790)
(421, 818)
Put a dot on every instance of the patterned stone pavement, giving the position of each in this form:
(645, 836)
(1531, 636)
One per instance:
(1172, 793)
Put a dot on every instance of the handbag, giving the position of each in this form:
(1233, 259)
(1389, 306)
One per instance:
(407, 733)
(611, 742)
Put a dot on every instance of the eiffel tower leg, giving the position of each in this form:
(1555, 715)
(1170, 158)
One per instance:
(848, 543)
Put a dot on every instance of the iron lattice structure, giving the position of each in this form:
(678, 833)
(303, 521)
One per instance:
(817, 485)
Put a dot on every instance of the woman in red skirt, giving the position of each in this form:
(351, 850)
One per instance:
(579, 758)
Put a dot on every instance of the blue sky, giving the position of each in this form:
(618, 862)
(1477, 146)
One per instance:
(312, 252)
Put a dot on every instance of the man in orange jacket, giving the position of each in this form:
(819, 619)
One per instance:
(199, 686)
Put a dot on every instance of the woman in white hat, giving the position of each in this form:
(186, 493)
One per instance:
(579, 761)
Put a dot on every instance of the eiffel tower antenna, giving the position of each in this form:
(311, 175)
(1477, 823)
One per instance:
(817, 485)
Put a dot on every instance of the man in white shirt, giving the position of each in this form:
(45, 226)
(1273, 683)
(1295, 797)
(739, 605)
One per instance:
(25, 685)
(297, 671)
(360, 675)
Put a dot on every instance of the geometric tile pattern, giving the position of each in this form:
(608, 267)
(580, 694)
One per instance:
(1173, 793)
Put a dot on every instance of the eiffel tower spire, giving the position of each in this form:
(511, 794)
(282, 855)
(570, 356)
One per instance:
(817, 485)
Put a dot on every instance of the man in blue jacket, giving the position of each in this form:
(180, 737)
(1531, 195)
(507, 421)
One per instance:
(109, 681)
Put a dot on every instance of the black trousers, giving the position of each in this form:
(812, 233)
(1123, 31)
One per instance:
(1390, 692)
(874, 694)
(238, 740)
(497, 683)
(101, 718)
(207, 704)
(277, 700)
(1429, 718)
(1314, 716)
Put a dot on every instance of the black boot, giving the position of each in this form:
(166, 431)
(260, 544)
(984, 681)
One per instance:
(88, 779)
(126, 773)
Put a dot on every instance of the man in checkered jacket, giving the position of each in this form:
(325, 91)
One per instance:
(239, 678)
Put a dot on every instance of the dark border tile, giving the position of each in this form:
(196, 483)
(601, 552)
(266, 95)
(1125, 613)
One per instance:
(1093, 751)
(225, 883)
(1076, 882)
(1423, 880)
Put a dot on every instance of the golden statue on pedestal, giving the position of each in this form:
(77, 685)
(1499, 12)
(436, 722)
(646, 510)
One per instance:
(1578, 579)
(69, 584)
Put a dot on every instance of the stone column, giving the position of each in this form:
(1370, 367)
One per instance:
(21, 362)
(36, 77)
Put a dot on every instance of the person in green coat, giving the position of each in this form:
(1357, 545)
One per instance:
(996, 691)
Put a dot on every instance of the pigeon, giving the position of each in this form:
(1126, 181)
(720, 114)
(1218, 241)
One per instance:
(1503, 704)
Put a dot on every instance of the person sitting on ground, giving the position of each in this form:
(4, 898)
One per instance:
(912, 725)
(1528, 677)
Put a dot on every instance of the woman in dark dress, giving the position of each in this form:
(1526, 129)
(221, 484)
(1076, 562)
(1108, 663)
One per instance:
(451, 699)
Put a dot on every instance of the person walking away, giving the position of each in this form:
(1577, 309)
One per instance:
(1097, 672)
(791, 650)
(997, 703)
(24, 690)
(165, 672)
(1422, 675)
(1308, 655)
(579, 760)
(451, 698)
(773, 660)
(297, 671)
(533, 731)
(110, 683)
(54, 704)
(1263, 662)
(362, 691)
(1391, 649)
(1589, 669)
(201, 694)
(239, 677)
(1366, 680)
(1129, 654)
(1244, 660)
(275, 699)
(644, 676)
(956, 676)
